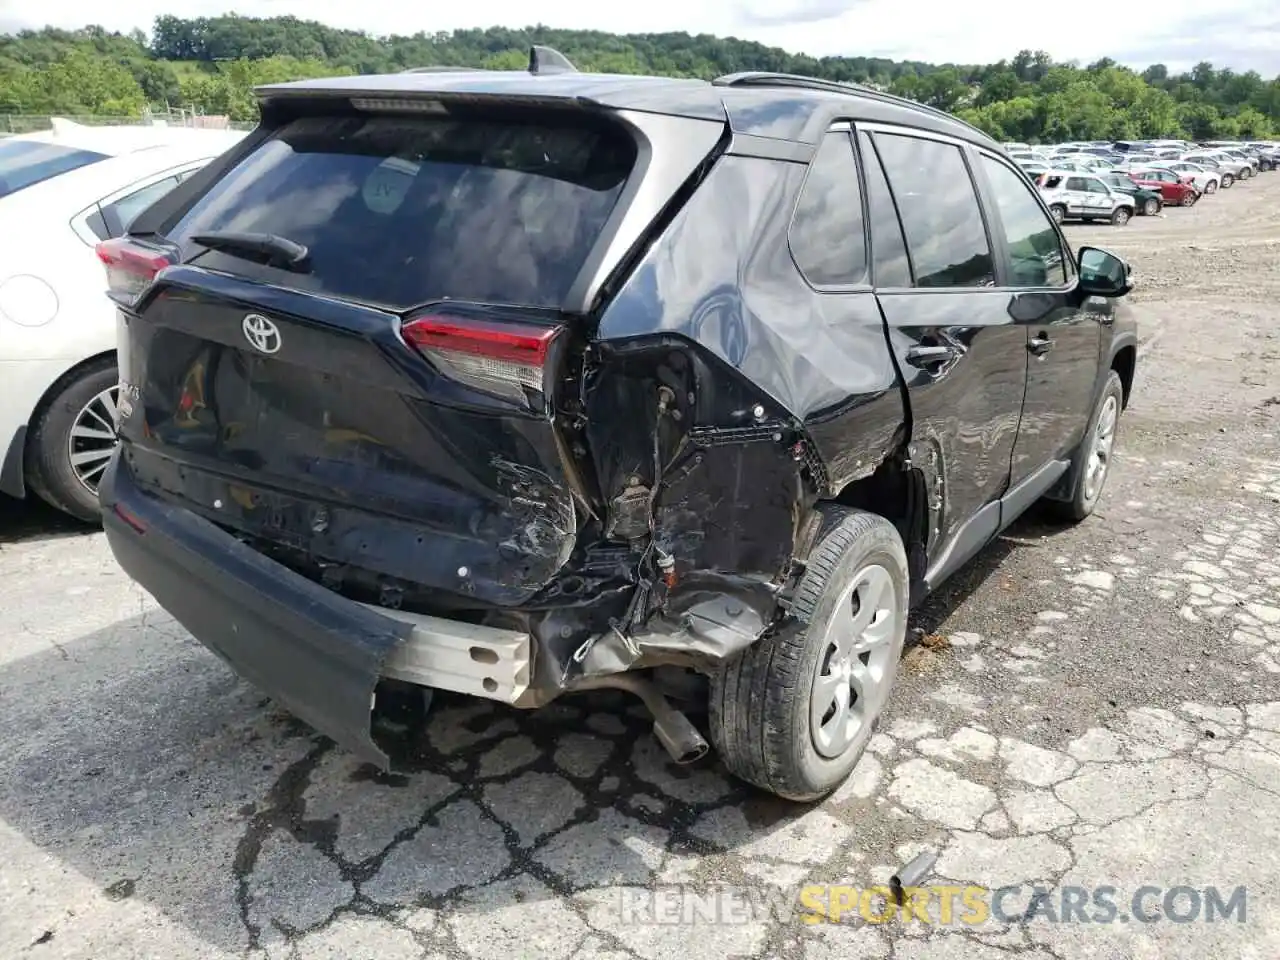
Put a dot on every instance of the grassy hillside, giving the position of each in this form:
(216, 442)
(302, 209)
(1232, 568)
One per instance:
(212, 64)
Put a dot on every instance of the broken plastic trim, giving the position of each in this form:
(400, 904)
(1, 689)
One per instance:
(713, 630)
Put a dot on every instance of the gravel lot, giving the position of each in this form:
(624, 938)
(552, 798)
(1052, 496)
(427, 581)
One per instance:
(1095, 706)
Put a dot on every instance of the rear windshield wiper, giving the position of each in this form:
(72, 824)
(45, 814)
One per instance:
(267, 248)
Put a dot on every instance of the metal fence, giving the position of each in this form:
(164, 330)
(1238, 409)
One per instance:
(11, 123)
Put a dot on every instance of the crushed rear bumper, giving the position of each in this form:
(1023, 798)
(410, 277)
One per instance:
(319, 654)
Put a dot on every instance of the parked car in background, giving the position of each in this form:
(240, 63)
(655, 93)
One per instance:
(1071, 195)
(1228, 167)
(1134, 160)
(1079, 163)
(1242, 151)
(1085, 161)
(1206, 180)
(1248, 156)
(1268, 154)
(1176, 188)
(1033, 168)
(517, 470)
(1147, 201)
(62, 192)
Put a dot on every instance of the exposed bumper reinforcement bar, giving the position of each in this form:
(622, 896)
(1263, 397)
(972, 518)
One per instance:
(462, 657)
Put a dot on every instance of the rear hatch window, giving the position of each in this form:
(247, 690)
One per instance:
(400, 210)
(24, 163)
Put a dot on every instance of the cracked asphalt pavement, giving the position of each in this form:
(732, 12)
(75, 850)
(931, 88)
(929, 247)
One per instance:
(1085, 707)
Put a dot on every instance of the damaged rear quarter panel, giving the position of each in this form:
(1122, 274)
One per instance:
(725, 318)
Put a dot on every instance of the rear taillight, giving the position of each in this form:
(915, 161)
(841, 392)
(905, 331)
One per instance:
(498, 357)
(130, 267)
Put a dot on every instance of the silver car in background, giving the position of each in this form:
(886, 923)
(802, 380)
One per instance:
(1073, 195)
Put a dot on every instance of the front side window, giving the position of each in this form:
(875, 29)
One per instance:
(826, 236)
(939, 209)
(1035, 251)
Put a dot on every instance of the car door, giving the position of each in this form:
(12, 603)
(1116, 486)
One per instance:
(1076, 196)
(962, 356)
(1097, 199)
(1064, 335)
(1179, 189)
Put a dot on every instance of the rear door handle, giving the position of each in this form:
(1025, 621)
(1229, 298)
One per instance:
(1039, 345)
(927, 357)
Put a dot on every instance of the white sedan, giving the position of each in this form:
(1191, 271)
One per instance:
(61, 192)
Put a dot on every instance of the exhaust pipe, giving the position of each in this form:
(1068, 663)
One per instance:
(676, 732)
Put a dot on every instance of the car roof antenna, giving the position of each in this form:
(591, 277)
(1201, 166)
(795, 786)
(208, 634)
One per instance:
(545, 60)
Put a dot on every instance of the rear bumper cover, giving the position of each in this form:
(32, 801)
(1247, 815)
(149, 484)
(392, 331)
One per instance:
(319, 654)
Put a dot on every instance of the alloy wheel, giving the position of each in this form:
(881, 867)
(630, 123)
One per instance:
(93, 438)
(850, 687)
(1104, 436)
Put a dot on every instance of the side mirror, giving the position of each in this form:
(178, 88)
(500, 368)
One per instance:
(1102, 273)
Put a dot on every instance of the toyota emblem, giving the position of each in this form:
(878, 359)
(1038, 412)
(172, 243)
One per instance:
(261, 333)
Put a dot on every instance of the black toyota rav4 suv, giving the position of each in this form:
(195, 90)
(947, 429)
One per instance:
(523, 383)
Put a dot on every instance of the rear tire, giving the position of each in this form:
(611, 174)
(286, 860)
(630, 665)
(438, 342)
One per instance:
(1059, 213)
(1120, 216)
(1190, 199)
(1211, 186)
(1227, 181)
(1150, 207)
(792, 714)
(1091, 464)
(50, 446)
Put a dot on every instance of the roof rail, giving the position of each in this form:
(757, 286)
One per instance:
(763, 78)
(544, 61)
(445, 69)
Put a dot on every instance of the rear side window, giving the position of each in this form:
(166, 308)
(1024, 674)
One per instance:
(888, 247)
(407, 209)
(940, 212)
(826, 232)
(24, 163)
(1035, 252)
(120, 214)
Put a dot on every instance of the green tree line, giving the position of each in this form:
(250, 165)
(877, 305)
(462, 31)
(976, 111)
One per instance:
(211, 64)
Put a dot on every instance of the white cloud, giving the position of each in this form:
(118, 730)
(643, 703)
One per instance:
(1243, 34)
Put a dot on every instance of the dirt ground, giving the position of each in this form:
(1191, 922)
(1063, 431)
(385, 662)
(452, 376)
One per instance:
(1094, 707)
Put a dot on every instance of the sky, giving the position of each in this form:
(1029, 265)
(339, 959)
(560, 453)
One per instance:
(1242, 34)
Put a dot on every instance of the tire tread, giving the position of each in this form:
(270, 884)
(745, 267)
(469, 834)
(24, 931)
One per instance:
(763, 682)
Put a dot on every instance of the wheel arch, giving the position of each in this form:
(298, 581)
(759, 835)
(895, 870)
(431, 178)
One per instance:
(898, 492)
(68, 376)
(1124, 361)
